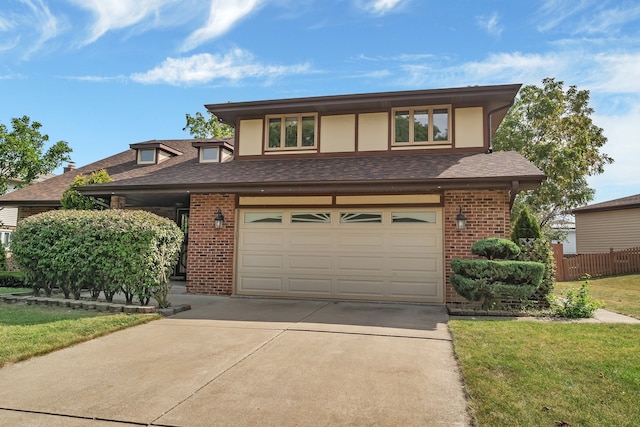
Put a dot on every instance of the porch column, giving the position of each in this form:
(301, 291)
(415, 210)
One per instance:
(118, 202)
(210, 266)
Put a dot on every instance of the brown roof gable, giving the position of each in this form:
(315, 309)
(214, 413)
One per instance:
(628, 202)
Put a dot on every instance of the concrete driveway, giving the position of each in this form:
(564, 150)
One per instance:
(250, 362)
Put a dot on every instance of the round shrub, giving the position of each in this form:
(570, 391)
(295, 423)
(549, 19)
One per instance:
(495, 248)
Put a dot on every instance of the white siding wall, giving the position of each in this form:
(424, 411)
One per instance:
(598, 232)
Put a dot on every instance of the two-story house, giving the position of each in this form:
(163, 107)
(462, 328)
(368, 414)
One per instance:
(365, 196)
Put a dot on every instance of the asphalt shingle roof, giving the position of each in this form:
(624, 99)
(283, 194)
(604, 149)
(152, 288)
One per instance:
(622, 203)
(184, 171)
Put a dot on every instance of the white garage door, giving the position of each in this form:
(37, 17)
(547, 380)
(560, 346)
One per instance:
(375, 254)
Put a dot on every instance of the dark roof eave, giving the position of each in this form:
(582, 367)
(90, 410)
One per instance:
(587, 209)
(320, 187)
(34, 203)
(228, 112)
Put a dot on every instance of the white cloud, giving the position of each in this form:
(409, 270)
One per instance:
(44, 22)
(223, 15)
(6, 24)
(609, 21)
(615, 73)
(204, 68)
(621, 131)
(490, 24)
(553, 12)
(379, 7)
(119, 14)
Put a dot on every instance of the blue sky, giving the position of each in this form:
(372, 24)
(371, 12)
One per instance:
(102, 74)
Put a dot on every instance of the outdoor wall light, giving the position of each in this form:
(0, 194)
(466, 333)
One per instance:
(218, 220)
(461, 220)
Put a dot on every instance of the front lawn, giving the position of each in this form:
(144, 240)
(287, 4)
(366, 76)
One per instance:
(529, 373)
(15, 290)
(27, 331)
(620, 294)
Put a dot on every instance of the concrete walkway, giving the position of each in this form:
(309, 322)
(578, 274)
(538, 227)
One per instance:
(250, 362)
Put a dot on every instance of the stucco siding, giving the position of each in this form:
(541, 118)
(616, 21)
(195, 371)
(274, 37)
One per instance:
(598, 232)
(338, 134)
(469, 127)
(250, 137)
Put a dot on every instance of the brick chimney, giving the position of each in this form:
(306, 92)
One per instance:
(71, 166)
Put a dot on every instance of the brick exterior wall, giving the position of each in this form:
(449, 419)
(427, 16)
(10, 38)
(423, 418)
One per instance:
(210, 258)
(488, 215)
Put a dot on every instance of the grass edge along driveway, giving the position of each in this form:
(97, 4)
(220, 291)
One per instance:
(531, 373)
(27, 331)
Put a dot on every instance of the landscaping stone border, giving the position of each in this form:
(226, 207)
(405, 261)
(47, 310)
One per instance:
(92, 305)
(457, 310)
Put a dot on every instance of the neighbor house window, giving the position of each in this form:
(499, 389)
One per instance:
(421, 125)
(296, 131)
(209, 154)
(146, 155)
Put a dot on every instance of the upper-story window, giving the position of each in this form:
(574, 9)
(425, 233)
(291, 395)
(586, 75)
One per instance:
(209, 154)
(291, 131)
(146, 155)
(421, 125)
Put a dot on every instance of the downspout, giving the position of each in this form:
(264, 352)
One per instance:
(489, 128)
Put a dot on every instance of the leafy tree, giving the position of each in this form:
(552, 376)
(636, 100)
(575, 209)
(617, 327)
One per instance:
(22, 155)
(552, 128)
(200, 127)
(72, 199)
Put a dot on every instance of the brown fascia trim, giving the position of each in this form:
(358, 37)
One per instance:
(30, 203)
(229, 112)
(213, 143)
(587, 209)
(155, 144)
(325, 187)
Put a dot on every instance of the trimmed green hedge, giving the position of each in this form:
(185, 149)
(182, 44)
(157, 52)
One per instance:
(489, 281)
(12, 279)
(495, 248)
(102, 251)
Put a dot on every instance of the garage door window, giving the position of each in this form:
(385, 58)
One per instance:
(262, 217)
(311, 218)
(359, 217)
(413, 217)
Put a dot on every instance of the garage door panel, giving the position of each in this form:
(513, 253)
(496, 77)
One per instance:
(399, 265)
(415, 289)
(311, 263)
(250, 283)
(311, 241)
(361, 241)
(415, 241)
(363, 286)
(260, 261)
(310, 285)
(261, 240)
(365, 265)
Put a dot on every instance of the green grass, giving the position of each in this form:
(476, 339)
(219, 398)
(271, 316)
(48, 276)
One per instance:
(15, 290)
(27, 331)
(620, 294)
(539, 373)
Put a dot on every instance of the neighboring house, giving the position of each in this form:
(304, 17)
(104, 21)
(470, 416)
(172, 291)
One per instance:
(568, 229)
(9, 215)
(608, 225)
(350, 196)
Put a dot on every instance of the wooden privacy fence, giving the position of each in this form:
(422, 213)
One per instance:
(626, 261)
